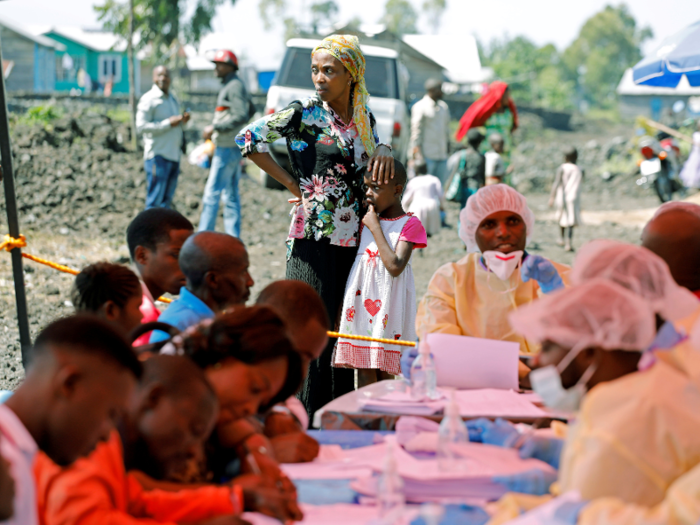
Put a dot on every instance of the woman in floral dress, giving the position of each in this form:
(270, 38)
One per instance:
(331, 140)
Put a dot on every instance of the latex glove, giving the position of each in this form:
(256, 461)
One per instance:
(568, 511)
(407, 357)
(535, 482)
(543, 271)
(500, 432)
(543, 448)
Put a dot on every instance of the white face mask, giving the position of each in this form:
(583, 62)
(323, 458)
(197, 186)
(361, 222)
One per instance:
(503, 264)
(546, 382)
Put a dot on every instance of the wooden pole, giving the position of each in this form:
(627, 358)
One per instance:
(132, 75)
(668, 130)
(8, 180)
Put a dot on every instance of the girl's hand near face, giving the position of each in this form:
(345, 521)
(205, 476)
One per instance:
(371, 220)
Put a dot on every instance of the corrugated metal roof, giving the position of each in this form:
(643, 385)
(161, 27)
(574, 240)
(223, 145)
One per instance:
(39, 39)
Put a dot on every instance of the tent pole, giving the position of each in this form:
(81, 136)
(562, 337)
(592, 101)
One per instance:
(12, 222)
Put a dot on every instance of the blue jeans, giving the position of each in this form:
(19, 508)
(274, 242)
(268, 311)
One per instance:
(161, 181)
(223, 182)
(439, 169)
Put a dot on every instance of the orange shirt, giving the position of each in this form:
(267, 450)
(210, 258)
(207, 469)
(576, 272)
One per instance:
(97, 490)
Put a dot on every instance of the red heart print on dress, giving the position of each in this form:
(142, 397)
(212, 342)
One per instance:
(373, 306)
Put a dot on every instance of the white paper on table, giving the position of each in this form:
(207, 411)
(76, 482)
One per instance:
(339, 514)
(396, 402)
(337, 464)
(544, 514)
(492, 402)
(471, 362)
(471, 478)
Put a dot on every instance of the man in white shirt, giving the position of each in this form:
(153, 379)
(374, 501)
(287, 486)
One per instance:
(159, 120)
(430, 130)
(81, 375)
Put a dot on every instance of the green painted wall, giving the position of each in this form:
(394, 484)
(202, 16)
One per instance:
(89, 60)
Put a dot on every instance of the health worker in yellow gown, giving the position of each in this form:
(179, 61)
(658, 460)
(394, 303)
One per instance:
(474, 295)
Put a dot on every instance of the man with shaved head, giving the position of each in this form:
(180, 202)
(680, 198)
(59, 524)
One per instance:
(674, 235)
(159, 120)
(168, 419)
(216, 272)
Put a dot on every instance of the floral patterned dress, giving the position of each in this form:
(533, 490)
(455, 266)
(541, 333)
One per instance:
(328, 160)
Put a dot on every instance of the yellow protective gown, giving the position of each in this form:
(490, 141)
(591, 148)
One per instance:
(637, 435)
(681, 506)
(465, 299)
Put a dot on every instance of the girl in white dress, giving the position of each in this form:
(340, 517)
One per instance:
(380, 297)
(566, 192)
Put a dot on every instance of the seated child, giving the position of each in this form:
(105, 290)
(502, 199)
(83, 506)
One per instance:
(380, 297)
(155, 238)
(424, 199)
(566, 193)
(172, 415)
(495, 166)
(111, 291)
(81, 375)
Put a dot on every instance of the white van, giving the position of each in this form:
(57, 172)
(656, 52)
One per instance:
(385, 83)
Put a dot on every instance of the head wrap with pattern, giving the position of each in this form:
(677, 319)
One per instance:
(346, 48)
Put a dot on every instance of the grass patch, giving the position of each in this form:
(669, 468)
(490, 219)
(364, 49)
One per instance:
(43, 115)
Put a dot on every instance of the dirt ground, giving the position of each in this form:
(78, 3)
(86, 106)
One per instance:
(78, 193)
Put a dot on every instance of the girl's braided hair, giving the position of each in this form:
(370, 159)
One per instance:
(247, 334)
(101, 282)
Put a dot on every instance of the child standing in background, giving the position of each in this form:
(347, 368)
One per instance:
(495, 165)
(424, 199)
(566, 193)
(380, 297)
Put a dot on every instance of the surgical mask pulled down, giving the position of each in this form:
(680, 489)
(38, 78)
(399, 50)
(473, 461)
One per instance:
(502, 265)
(546, 382)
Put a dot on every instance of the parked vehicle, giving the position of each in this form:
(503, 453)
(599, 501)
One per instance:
(384, 82)
(659, 166)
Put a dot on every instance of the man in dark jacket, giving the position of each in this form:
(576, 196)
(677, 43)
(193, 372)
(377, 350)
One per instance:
(233, 110)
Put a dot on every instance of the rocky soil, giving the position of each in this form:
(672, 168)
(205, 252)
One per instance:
(78, 188)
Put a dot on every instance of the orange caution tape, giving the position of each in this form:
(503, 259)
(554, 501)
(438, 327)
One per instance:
(10, 243)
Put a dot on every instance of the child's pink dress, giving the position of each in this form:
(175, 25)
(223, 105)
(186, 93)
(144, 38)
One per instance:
(377, 304)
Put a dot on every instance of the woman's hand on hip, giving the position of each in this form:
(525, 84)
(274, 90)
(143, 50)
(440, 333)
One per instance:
(381, 164)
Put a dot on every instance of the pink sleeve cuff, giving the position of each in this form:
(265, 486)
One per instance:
(414, 232)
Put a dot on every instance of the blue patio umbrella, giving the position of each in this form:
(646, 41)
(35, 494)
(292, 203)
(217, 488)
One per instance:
(677, 55)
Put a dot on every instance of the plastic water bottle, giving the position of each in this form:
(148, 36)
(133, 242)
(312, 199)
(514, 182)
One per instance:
(390, 496)
(423, 376)
(452, 432)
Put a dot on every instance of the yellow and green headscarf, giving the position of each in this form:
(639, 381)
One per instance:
(346, 48)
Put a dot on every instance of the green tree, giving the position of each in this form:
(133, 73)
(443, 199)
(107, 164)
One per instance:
(323, 12)
(608, 43)
(400, 17)
(161, 24)
(533, 73)
(434, 9)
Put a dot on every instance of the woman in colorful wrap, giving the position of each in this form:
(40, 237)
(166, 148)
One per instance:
(496, 112)
(332, 141)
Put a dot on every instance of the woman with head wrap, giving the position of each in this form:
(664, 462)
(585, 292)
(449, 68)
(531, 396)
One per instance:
(331, 140)
(474, 295)
(496, 112)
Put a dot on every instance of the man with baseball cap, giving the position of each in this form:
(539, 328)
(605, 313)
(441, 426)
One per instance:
(233, 110)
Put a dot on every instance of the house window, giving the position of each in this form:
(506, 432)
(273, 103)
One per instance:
(67, 67)
(110, 68)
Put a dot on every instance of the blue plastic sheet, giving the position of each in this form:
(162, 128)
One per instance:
(348, 439)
